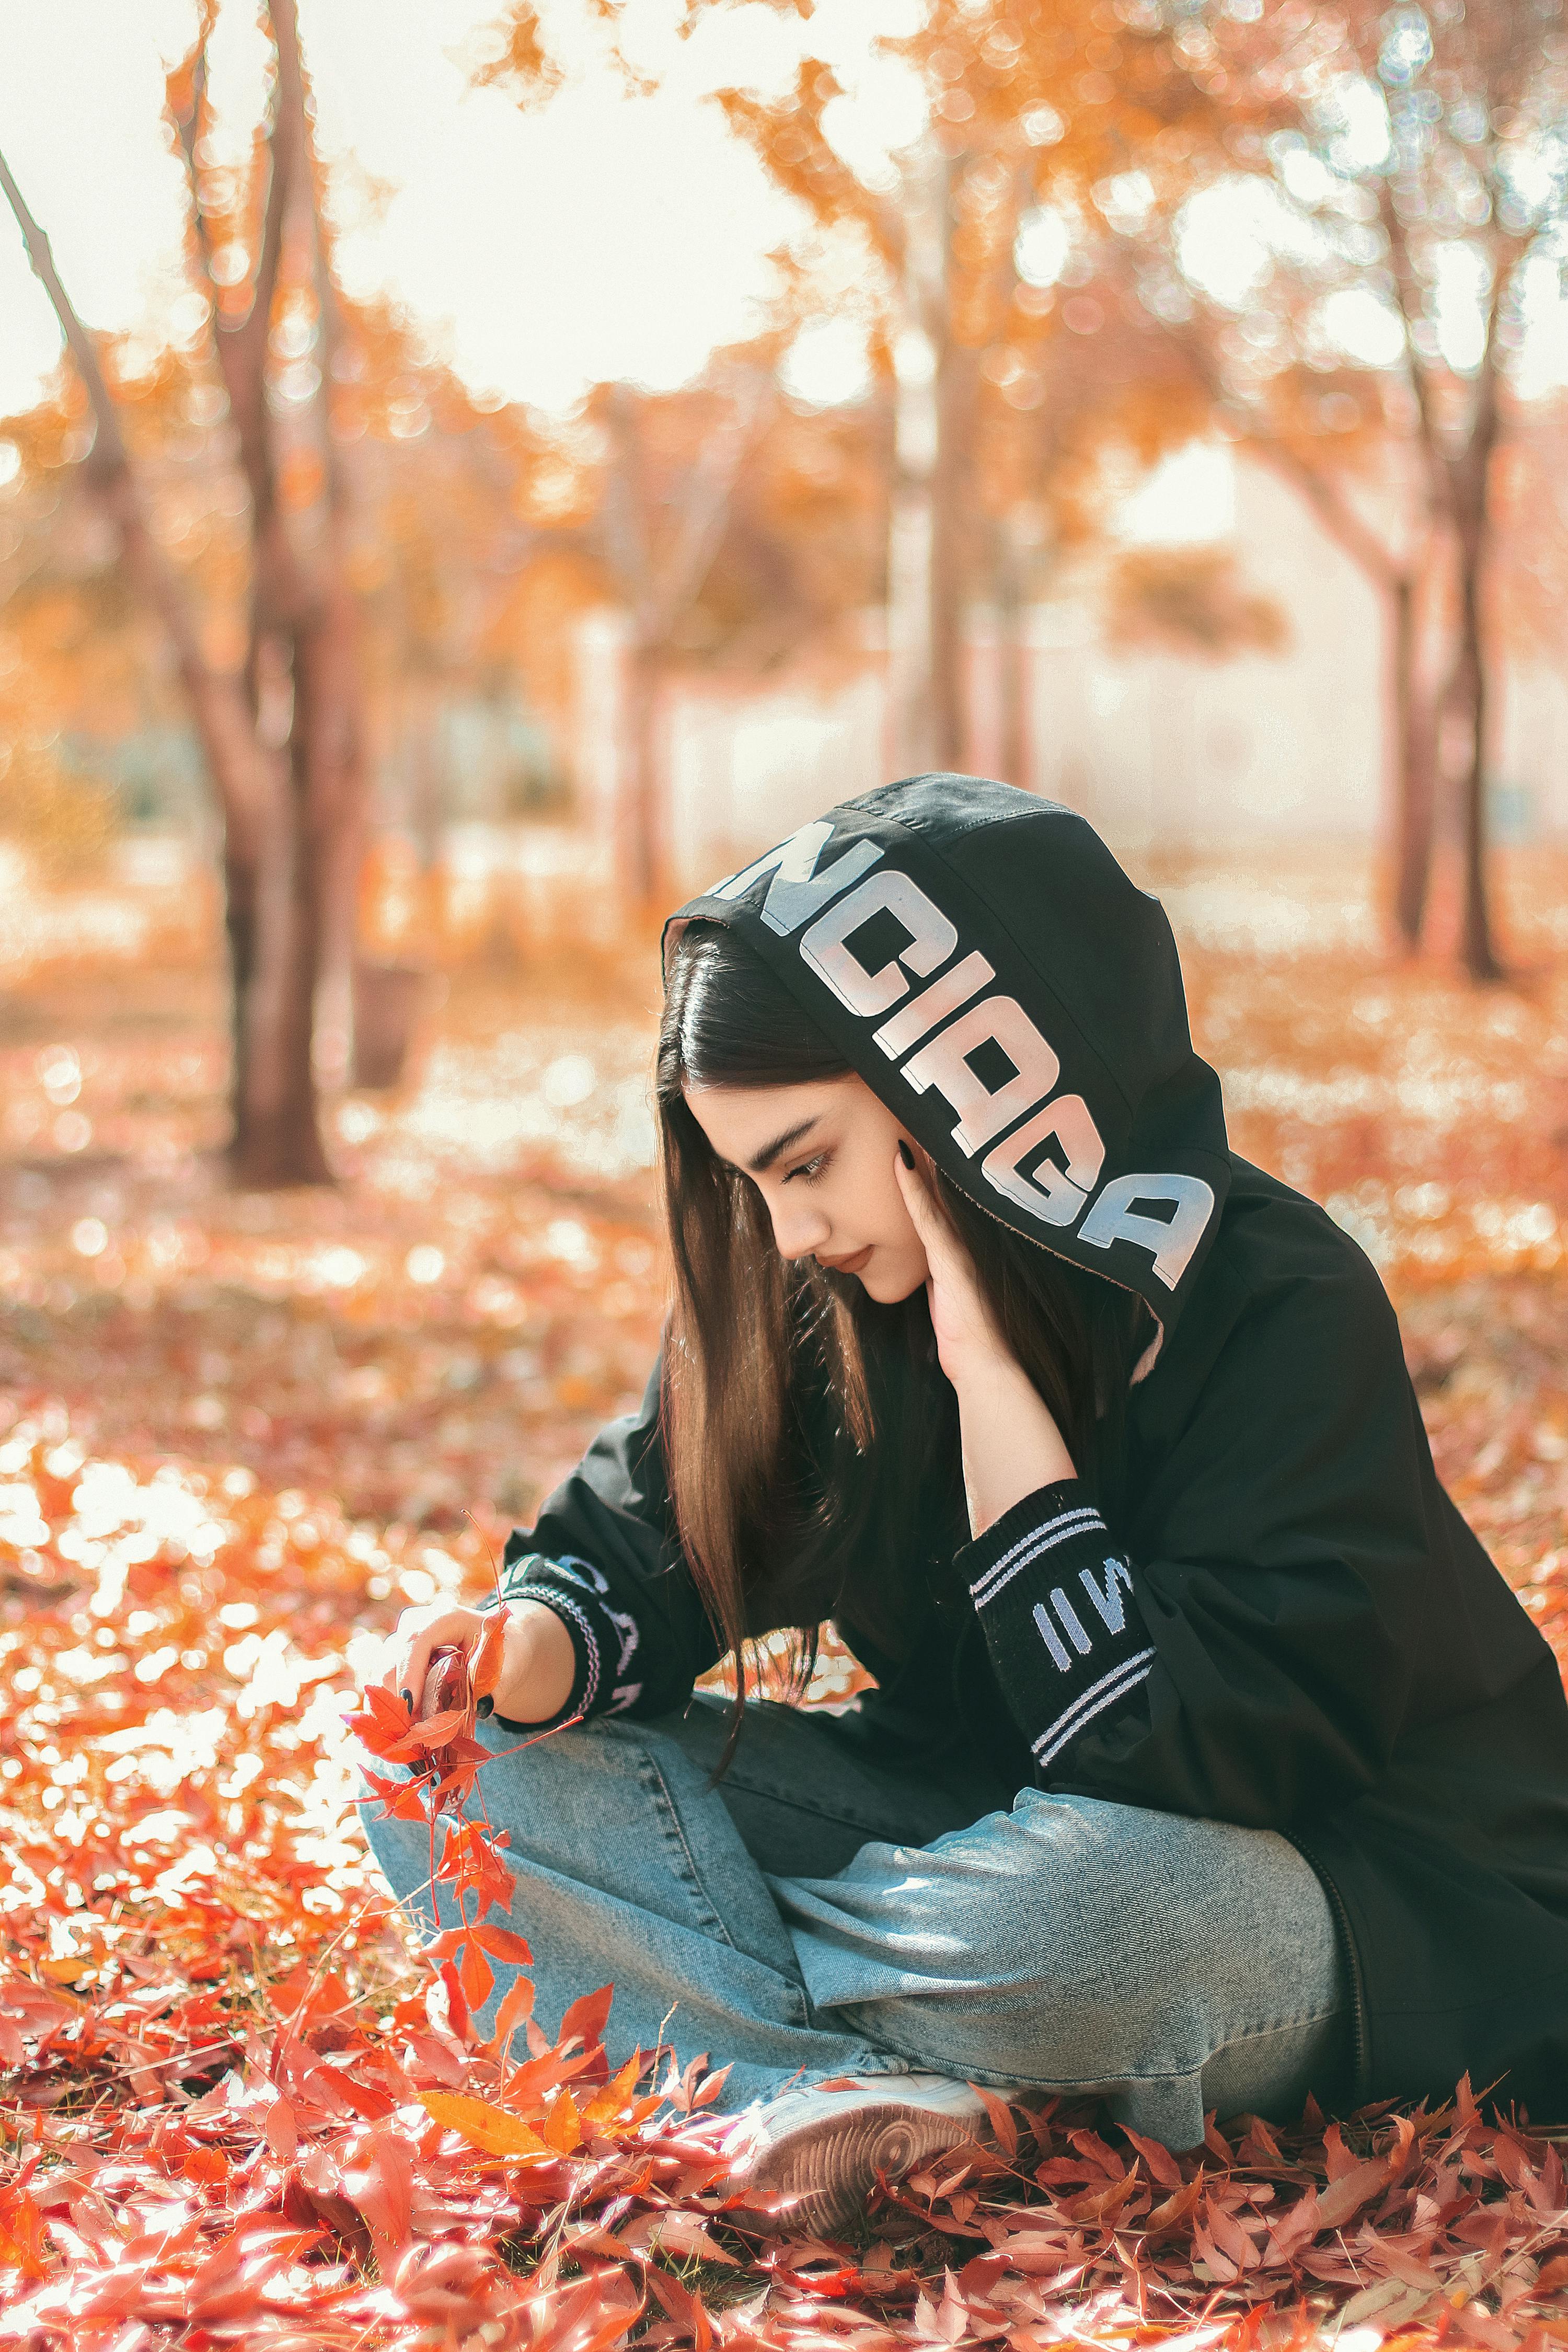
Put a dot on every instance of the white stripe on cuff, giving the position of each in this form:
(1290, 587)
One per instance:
(1072, 1719)
(548, 1595)
(1080, 1511)
(1028, 1548)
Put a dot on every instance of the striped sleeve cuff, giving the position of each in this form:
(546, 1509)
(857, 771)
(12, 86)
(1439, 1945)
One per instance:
(1061, 1619)
(605, 1640)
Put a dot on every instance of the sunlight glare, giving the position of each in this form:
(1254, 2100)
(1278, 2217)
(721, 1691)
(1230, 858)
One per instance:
(1226, 238)
(1355, 323)
(1188, 499)
(1357, 117)
(1044, 243)
(1463, 278)
(827, 366)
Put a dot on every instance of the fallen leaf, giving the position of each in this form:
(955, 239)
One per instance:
(486, 2127)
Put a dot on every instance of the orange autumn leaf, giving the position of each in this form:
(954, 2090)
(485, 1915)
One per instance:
(562, 2124)
(606, 2105)
(475, 1974)
(483, 2126)
(587, 2016)
(517, 2003)
(503, 1944)
(484, 1667)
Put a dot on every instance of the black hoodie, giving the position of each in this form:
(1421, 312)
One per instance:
(1287, 1625)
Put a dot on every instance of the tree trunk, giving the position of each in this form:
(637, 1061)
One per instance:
(307, 652)
(1413, 721)
(912, 526)
(1410, 713)
(639, 845)
(277, 1141)
(276, 1137)
(340, 740)
(304, 644)
(1014, 761)
(281, 1141)
(338, 789)
(1477, 950)
(224, 727)
(286, 827)
(949, 476)
(1471, 477)
(908, 626)
(284, 1145)
(241, 919)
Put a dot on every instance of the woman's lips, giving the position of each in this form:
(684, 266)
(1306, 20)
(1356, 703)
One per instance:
(851, 1264)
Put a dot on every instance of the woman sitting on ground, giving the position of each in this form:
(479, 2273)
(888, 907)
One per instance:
(1210, 1761)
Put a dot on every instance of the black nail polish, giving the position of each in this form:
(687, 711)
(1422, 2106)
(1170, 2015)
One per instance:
(407, 1696)
(905, 1154)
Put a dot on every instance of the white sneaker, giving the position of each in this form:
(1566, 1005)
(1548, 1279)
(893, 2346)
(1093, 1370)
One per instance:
(824, 2149)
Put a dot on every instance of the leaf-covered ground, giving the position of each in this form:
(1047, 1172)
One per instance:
(237, 1433)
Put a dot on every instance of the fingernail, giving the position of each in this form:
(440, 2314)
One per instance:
(407, 1694)
(905, 1154)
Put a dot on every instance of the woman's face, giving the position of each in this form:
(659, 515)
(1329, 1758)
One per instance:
(822, 1157)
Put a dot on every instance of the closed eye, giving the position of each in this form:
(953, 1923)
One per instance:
(810, 1169)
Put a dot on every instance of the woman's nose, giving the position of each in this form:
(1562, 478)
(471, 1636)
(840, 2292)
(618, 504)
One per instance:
(798, 1229)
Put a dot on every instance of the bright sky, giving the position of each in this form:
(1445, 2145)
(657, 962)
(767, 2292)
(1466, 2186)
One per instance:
(604, 235)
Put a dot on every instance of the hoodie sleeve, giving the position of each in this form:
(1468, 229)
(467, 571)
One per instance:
(603, 1556)
(1249, 1660)
(1055, 1600)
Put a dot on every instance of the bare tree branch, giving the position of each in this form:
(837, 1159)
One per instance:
(107, 455)
(1408, 289)
(188, 121)
(217, 705)
(241, 342)
(1333, 509)
(329, 311)
(1337, 517)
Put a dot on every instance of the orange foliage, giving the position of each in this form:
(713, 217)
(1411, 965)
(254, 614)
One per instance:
(239, 1431)
(1187, 600)
(513, 57)
(1033, 105)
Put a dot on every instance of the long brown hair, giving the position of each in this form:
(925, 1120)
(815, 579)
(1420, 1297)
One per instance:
(810, 1439)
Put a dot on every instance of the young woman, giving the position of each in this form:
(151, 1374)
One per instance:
(1209, 1761)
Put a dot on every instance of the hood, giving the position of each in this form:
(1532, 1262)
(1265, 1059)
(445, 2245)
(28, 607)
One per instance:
(991, 972)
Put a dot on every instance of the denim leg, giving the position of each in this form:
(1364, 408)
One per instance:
(1170, 1965)
(808, 1787)
(630, 1871)
(835, 1908)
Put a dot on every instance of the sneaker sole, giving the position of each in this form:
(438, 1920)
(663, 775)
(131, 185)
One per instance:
(867, 2143)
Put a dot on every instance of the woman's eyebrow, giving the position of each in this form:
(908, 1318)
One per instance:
(781, 1143)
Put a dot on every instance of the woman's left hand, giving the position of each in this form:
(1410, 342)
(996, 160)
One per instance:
(1011, 1443)
(967, 1339)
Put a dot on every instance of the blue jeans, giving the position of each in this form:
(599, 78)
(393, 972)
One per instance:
(847, 1901)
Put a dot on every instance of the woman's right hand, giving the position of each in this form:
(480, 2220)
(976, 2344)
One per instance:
(538, 1661)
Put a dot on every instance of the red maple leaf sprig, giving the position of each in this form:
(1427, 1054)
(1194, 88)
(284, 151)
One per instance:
(434, 1740)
